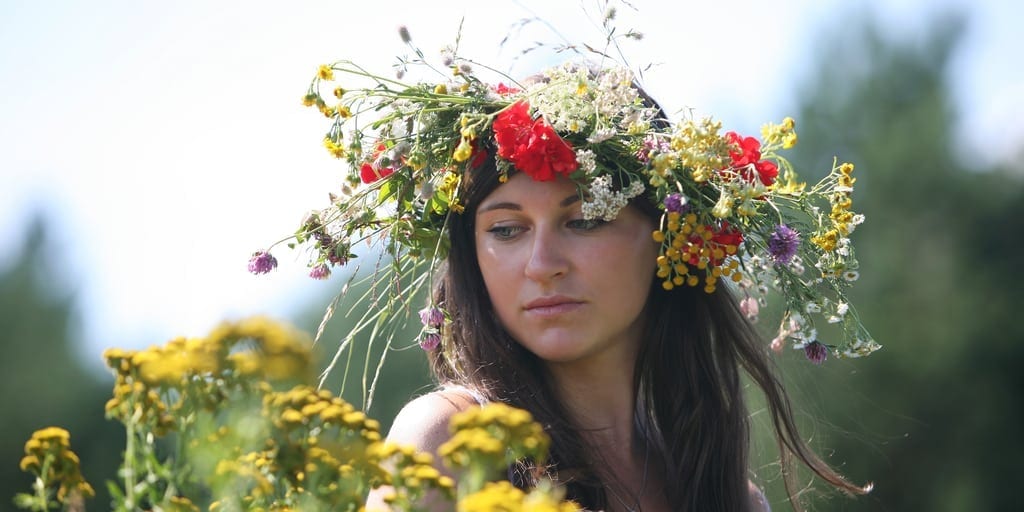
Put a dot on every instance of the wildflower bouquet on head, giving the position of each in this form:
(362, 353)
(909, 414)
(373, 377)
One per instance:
(733, 209)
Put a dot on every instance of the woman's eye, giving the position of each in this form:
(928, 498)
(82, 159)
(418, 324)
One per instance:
(586, 224)
(504, 232)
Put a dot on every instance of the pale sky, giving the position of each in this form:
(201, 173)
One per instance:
(167, 139)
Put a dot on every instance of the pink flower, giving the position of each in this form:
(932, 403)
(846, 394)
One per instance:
(432, 317)
(430, 341)
(320, 272)
(749, 308)
(816, 352)
(262, 262)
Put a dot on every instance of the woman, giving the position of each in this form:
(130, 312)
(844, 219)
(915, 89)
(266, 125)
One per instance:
(558, 298)
(639, 386)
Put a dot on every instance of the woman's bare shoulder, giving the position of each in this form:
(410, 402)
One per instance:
(758, 501)
(423, 422)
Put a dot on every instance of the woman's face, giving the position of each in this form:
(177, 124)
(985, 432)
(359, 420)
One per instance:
(566, 288)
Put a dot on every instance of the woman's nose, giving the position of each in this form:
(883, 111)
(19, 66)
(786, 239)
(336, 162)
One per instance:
(548, 259)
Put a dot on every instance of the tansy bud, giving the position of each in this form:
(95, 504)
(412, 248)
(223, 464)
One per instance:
(789, 140)
(463, 151)
(417, 160)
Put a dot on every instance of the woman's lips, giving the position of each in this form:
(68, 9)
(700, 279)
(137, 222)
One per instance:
(546, 307)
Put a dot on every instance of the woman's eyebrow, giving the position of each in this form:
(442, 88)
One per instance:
(505, 205)
(508, 205)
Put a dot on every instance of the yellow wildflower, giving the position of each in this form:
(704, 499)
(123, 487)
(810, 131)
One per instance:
(325, 72)
(463, 151)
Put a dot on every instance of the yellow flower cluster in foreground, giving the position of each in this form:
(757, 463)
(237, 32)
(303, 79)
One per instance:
(252, 434)
(48, 456)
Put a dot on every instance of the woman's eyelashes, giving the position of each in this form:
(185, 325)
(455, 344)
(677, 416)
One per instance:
(505, 232)
(510, 231)
(586, 224)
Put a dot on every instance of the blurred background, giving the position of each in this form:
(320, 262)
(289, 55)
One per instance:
(146, 150)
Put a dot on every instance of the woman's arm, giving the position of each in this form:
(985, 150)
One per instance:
(423, 423)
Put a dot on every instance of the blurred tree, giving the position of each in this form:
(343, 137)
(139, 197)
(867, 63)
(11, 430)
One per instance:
(933, 419)
(43, 380)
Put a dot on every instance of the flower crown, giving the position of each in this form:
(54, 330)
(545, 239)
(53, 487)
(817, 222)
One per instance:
(734, 209)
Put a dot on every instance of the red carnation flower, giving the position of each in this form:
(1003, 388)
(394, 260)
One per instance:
(512, 128)
(546, 154)
(532, 145)
(721, 237)
(371, 171)
(504, 90)
(727, 235)
(478, 156)
(750, 155)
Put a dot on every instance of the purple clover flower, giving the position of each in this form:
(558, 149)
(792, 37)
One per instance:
(432, 317)
(816, 352)
(783, 243)
(320, 272)
(430, 341)
(677, 203)
(262, 262)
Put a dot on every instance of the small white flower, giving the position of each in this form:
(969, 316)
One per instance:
(797, 267)
(812, 307)
(587, 161)
(851, 275)
(842, 308)
(600, 135)
(604, 203)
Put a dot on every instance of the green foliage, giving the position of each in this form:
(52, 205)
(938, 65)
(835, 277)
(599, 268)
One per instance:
(43, 379)
(925, 416)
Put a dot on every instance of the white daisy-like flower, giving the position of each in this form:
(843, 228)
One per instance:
(587, 161)
(851, 275)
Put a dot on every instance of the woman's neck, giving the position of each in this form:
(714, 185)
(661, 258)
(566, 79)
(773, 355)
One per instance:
(601, 400)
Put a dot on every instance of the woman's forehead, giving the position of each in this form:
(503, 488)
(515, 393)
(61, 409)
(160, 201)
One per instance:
(523, 190)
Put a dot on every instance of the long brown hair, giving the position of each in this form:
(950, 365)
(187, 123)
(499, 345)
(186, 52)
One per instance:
(687, 382)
